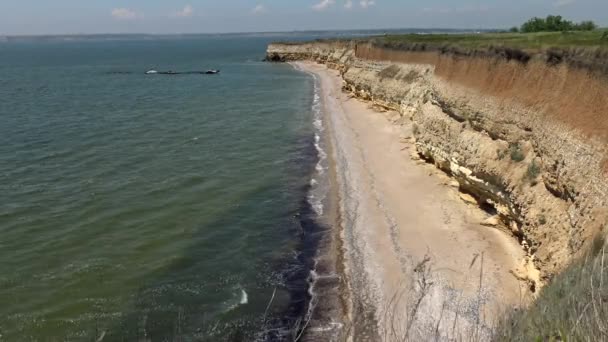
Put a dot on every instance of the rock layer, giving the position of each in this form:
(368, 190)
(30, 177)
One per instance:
(516, 151)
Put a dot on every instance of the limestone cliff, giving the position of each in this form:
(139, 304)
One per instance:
(526, 138)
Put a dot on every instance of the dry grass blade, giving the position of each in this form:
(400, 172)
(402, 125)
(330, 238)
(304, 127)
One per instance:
(301, 329)
(268, 306)
(573, 307)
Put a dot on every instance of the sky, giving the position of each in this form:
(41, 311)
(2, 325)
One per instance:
(31, 17)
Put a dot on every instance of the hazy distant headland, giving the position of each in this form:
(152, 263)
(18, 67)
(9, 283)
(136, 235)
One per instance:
(293, 34)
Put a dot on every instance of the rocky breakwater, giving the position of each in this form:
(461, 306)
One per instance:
(524, 135)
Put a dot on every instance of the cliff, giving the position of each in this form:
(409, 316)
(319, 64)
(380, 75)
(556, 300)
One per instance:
(526, 137)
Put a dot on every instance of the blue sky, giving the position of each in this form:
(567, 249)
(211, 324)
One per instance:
(202, 16)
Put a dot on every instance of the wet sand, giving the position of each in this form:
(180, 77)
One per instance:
(417, 261)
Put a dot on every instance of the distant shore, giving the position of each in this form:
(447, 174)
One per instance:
(413, 250)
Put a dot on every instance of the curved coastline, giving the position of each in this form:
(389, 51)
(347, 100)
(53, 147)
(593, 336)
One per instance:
(328, 306)
(395, 228)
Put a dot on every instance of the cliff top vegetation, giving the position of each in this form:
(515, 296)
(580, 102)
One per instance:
(535, 34)
(554, 23)
(524, 41)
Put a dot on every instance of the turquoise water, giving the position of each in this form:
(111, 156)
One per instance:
(152, 207)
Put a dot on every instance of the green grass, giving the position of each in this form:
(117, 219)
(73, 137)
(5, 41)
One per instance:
(574, 307)
(524, 41)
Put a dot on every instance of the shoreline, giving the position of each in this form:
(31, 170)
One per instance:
(325, 316)
(402, 236)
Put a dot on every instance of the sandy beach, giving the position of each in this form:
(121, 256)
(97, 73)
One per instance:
(418, 262)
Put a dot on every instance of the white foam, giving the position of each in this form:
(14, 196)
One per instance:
(236, 302)
(320, 151)
(322, 154)
(318, 208)
(318, 124)
(317, 204)
(319, 168)
(316, 195)
(244, 297)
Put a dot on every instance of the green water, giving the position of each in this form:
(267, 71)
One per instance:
(150, 207)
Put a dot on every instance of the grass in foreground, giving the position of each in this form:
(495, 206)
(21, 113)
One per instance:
(524, 41)
(574, 307)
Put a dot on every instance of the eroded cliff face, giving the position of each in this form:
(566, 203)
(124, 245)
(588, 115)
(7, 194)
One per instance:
(534, 158)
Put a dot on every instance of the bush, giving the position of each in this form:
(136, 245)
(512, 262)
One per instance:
(587, 25)
(532, 172)
(514, 29)
(516, 153)
(554, 23)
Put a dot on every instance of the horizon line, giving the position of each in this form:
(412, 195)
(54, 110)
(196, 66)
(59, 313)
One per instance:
(241, 32)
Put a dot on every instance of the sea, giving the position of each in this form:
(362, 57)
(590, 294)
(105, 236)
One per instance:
(157, 207)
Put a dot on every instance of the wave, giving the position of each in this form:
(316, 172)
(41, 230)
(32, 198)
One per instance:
(318, 192)
(244, 297)
(241, 298)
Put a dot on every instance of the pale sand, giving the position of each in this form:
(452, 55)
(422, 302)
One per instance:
(394, 212)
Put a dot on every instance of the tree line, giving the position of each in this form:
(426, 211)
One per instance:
(554, 23)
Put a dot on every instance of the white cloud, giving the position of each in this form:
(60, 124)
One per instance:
(186, 12)
(323, 5)
(259, 9)
(367, 3)
(348, 4)
(124, 14)
(562, 3)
